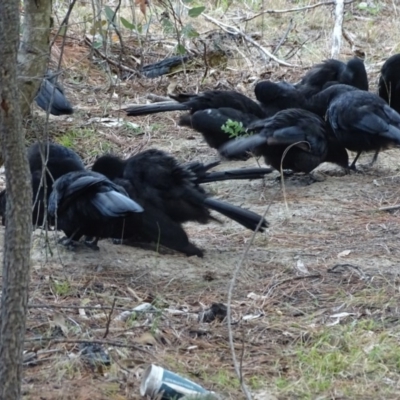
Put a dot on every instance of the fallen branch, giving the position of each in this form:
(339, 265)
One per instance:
(355, 268)
(289, 10)
(156, 98)
(385, 208)
(83, 341)
(284, 37)
(108, 59)
(354, 48)
(295, 278)
(235, 31)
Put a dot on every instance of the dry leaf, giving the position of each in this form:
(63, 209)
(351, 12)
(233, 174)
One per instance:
(59, 320)
(146, 338)
(344, 253)
(142, 5)
(301, 267)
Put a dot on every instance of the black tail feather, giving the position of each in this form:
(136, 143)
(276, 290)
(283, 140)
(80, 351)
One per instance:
(241, 146)
(245, 173)
(246, 218)
(163, 106)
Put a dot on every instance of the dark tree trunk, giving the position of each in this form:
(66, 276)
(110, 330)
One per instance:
(19, 202)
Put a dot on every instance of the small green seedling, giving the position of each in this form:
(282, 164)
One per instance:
(234, 129)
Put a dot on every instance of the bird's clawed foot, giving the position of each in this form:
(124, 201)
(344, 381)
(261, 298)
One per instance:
(314, 177)
(287, 173)
(68, 243)
(91, 242)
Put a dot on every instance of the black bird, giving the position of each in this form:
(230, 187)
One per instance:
(331, 72)
(389, 82)
(163, 67)
(57, 160)
(114, 167)
(87, 203)
(51, 96)
(201, 101)
(218, 125)
(360, 120)
(278, 96)
(209, 112)
(304, 131)
(153, 226)
(172, 189)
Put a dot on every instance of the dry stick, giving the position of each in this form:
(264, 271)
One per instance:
(229, 313)
(79, 307)
(289, 10)
(112, 22)
(348, 39)
(115, 63)
(295, 278)
(82, 341)
(156, 98)
(64, 24)
(281, 170)
(284, 37)
(237, 269)
(337, 30)
(109, 318)
(386, 208)
(236, 31)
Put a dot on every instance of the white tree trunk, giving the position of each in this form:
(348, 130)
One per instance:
(337, 30)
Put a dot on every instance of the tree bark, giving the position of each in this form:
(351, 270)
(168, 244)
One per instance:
(19, 203)
(34, 49)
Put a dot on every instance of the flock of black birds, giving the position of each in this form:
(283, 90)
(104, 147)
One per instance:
(146, 198)
(328, 111)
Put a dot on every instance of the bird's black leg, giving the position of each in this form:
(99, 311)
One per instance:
(375, 157)
(287, 173)
(70, 241)
(353, 164)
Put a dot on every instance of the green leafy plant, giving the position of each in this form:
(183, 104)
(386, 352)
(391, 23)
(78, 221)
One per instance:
(234, 129)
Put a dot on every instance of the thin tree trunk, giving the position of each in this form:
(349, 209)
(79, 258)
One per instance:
(34, 49)
(19, 202)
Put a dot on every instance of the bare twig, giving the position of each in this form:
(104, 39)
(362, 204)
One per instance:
(337, 30)
(112, 22)
(296, 9)
(109, 318)
(284, 37)
(295, 278)
(361, 274)
(281, 170)
(235, 31)
(385, 208)
(85, 307)
(156, 98)
(229, 310)
(108, 59)
(64, 25)
(96, 341)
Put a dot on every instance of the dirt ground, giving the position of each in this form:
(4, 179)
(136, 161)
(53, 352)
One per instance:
(315, 302)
